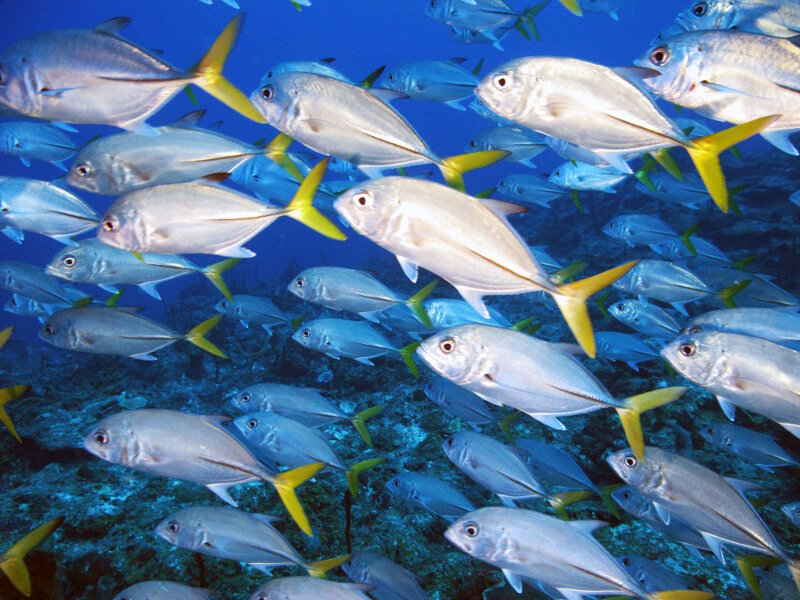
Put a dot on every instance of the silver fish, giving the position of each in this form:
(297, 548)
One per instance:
(758, 293)
(779, 325)
(195, 448)
(640, 230)
(523, 144)
(36, 141)
(624, 347)
(162, 590)
(778, 18)
(647, 319)
(676, 249)
(751, 373)
(254, 310)
(26, 307)
(609, 7)
(494, 37)
(430, 493)
(310, 588)
(524, 187)
(389, 580)
(757, 448)
(447, 312)
(554, 465)
(651, 575)
(585, 177)
(443, 81)
(777, 587)
(792, 511)
(43, 208)
(690, 192)
(30, 281)
(458, 402)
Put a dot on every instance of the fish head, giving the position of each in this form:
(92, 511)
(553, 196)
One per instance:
(456, 354)
(312, 336)
(704, 15)
(247, 400)
(357, 566)
(257, 428)
(278, 98)
(400, 487)
(185, 529)
(792, 510)
(674, 68)
(642, 474)
(717, 434)
(100, 172)
(124, 227)
(480, 532)
(631, 500)
(114, 439)
(306, 286)
(617, 228)
(512, 89)
(72, 264)
(700, 357)
(13, 305)
(59, 331)
(400, 79)
(623, 311)
(438, 9)
(564, 175)
(340, 165)
(21, 86)
(9, 142)
(371, 207)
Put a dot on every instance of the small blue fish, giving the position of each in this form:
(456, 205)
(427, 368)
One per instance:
(36, 141)
(430, 493)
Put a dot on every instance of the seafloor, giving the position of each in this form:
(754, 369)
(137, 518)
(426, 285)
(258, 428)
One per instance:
(107, 539)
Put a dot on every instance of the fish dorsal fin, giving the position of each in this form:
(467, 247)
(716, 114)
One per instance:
(327, 60)
(716, 546)
(113, 26)
(456, 60)
(504, 209)
(218, 420)
(215, 177)
(267, 519)
(741, 486)
(190, 119)
(587, 527)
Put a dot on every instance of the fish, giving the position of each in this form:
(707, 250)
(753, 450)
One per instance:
(563, 555)
(583, 177)
(355, 291)
(777, 18)
(44, 208)
(12, 560)
(227, 532)
(9, 394)
(602, 6)
(602, 111)
(554, 465)
(162, 590)
(776, 586)
(118, 332)
(36, 141)
(574, 152)
(196, 218)
(292, 444)
(430, 493)
(256, 310)
(398, 318)
(26, 307)
(779, 325)
(651, 575)
(522, 144)
(754, 290)
(318, 67)
(30, 281)
(529, 188)
(675, 250)
(715, 506)
(347, 121)
(647, 319)
(458, 402)
(94, 76)
(751, 373)
(754, 447)
(545, 259)
(647, 230)
(181, 152)
(350, 339)
(448, 312)
(506, 367)
(304, 405)
(792, 512)
(92, 261)
(466, 241)
(310, 588)
(194, 448)
(444, 81)
(464, 35)
(689, 192)
(271, 182)
(389, 580)
(733, 82)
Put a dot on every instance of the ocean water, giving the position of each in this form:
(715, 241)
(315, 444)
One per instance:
(107, 539)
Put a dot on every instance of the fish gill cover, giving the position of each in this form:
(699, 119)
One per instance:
(534, 252)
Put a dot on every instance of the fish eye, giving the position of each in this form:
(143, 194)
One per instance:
(447, 345)
(660, 56)
(269, 74)
(688, 349)
(306, 333)
(797, 511)
(390, 77)
(2, 75)
(101, 437)
(49, 329)
(300, 282)
(700, 9)
(12, 302)
(69, 261)
(631, 461)
(396, 483)
(694, 329)
(252, 423)
(110, 224)
(471, 529)
(626, 495)
(83, 170)
(450, 442)
(611, 226)
(433, 4)
(350, 563)
(626, 561)
(363, 199)
(245, 397)
(173, 526)
(473, 144)
(710, 431)
(267, 92)
(501, 81)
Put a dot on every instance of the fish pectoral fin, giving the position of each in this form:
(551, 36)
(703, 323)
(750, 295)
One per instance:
(221, 490)
(365, 361)
(514, 580)
(409, 268)
(551, 421)
(475, 299)
(571, 594)
(718, 87)
(743, 487)
(663, 512)
(143, 356)
(716, 545)
(728, 407)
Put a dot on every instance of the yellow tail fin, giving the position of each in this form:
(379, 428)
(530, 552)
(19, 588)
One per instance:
(705, 155)
(415, 303)
(214, 274)
(454, 167)
(636, 405)
(7, 395)
(746, 565)
(276, 151)
(352, 473)
(285, 484)
(407, 354)
(196, 335)
(301, 209)
(681, 595)
(11, 561)
(359, 423)
(210, 78)
(572, 6)
(319, 568)
(5, 334)
(794, 569)
(559, 502)
(571, 299)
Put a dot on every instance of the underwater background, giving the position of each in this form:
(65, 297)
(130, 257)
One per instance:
(107, 542)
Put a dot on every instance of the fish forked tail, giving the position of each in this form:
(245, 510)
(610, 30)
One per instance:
(572, 6)
(746, 565)
(210, 78)
(605, 495)
(705, 151)
(7, 395)
(276, 152)
(295, 323)
(196, 336)
(414, 303)
(686, 238)
(353, 472)
(214, 274)
(681, 595)
(570, 272)
(727, 294)
(454, 167)
(285, 484)
(528, 19)
(504, 423)
(301, 208)
(634, 406)
(11, 562)
(5, 335)
(571, 299)
(407, 354)
(320, 567)
(559, 502)
(359, 421)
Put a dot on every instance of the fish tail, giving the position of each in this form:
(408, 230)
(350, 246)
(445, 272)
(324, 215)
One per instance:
(454, 167)
(320, 567)
(686, 238)
(794, 569)
(727, 294)
(81, 302)
(746, 565)
(285, 484)
(302, 209)
(196, 336)
(681, 595)
(559, 502)
(7, 395)
(370, 79)
(569, 272)
(705, 155)
(634, 406)
(407, 354)
(600, 303)
(276, 151)
(572, 6)
(210, 78)
(11, 561)
(353, 472)
(605, 496)
(504, 423)
(415, 303)
(529, 326)
(214, 274)
(571, 299)
(113, 299)
(664, 158)
(5, 335)
(295, 323)
(529, 16)
(359, 422)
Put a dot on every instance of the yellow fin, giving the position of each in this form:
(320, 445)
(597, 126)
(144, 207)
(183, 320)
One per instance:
(559, 502)
(454, 167)
(276, 151)
(11, 560)
(210, 78)
(407, 354)
(415, 303)
(664, 158)
(7, 395)
(572, 6)
(301, 208)
(571, 299)
(359, 419)
(353, 472)
(705, 155)
(196, 335)
(319, 568)
(681, 595)
(214, 274)
(5, 334)
(636, 405)
(285, 484)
